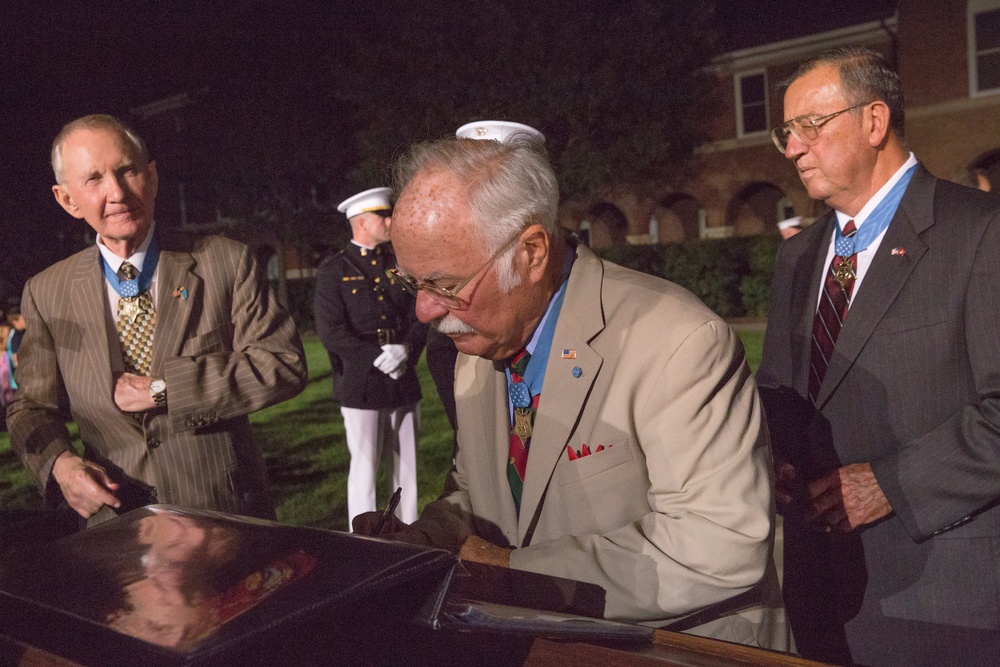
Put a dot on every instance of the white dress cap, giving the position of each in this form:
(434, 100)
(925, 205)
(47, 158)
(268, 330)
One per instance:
(376, 199)
(790, 222)
(497, 130)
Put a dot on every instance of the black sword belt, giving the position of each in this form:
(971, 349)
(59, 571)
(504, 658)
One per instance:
(382, 336)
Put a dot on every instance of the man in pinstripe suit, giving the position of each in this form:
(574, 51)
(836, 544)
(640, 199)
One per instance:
(161, 420)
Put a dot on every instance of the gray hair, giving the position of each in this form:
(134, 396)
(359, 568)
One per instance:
(865, 76)
(510, 186)
(97, 121)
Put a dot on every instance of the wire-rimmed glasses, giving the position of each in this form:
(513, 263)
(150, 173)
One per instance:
(805, 128)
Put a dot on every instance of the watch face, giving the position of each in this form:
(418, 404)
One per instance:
(157, 387)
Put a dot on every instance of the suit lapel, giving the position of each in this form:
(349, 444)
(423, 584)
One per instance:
(564, 392)
(885, 277)
(89, 303)
(173, 312)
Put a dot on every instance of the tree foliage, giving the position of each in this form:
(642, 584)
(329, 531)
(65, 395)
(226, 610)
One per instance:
(617, 88)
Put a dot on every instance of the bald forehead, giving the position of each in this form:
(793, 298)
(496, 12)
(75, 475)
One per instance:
(433, 233)
(434, 202)
(84, 136)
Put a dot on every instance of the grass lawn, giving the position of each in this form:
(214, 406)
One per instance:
(303, 443)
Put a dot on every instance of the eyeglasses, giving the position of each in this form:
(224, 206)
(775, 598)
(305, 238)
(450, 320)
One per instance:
(804, 128)
(443, 295)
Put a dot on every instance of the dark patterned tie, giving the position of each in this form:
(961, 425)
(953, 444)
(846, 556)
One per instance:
(831, 312)
(136, 320)
(525, 408)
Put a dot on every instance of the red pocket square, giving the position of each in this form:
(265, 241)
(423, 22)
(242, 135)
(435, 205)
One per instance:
(573, 455)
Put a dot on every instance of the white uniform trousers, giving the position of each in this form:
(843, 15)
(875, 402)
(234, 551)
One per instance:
(369, 434)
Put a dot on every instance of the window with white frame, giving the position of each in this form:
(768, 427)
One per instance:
(751, 103)
(984, 46)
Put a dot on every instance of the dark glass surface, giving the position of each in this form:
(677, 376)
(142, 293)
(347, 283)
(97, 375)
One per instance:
(196, 582)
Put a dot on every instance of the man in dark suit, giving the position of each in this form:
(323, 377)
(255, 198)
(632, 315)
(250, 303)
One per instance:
(364, 318)
(158, 349)
(881, 382)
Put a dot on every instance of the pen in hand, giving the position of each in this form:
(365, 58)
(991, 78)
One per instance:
(390, 508)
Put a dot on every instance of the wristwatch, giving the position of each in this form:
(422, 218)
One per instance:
(158, 390)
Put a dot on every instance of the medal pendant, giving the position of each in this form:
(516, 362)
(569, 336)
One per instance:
(522, 423)
(844, 273)
(129, 309)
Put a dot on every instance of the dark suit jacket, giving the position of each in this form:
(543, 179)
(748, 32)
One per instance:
(914, 389)
(354, 297)
(226, 350)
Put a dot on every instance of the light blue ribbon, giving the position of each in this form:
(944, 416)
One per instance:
(877, 222)
(139, 284)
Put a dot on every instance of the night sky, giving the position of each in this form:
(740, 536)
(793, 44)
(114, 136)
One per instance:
(59, 61)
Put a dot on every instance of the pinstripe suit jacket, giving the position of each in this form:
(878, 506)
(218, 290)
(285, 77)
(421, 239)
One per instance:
(913, 388)
(226, 350)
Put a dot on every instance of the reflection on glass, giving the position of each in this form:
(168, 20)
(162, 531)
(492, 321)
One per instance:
(164, 578)
(184, 594)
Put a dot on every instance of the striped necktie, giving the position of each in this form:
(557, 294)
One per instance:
(831, 313)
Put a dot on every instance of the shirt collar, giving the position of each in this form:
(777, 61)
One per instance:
(137, 258)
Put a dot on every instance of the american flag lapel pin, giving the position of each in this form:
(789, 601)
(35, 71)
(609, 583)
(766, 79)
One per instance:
(898, 252)
(568, 353)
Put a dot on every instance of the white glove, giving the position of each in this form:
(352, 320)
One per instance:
(392, 361)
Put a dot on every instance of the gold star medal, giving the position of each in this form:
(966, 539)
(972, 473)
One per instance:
(844, 273)
(522, 423)
(128, 309)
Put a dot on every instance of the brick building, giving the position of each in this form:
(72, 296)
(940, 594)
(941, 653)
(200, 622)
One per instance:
(948, 55)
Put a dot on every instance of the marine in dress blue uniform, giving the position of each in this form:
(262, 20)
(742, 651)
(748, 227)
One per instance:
(367, 321)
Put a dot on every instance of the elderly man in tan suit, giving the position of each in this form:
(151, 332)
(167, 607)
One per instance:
(629, 451)
(158, 350)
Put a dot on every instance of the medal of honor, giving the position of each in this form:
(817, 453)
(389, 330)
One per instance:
(129, 309)
(522, 422)
(844, 273)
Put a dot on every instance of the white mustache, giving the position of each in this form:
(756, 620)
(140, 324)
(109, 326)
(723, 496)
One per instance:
(449, 324)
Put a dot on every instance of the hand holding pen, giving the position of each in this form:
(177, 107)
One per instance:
(390, 508)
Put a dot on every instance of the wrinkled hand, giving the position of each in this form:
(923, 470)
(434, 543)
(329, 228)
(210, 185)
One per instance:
(392, 361)
(85, 485)
(847, 497)
(366, 523)
(132, 393)
(478, 550)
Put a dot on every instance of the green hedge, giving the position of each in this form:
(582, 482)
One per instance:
(732, 276)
